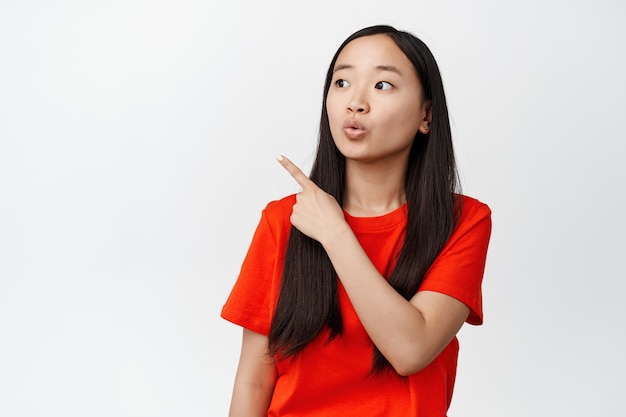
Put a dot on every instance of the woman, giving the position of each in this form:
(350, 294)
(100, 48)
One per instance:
(353, 290)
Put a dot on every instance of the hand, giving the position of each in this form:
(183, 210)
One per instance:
(316, 213)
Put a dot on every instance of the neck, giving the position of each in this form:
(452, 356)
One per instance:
(373, 189)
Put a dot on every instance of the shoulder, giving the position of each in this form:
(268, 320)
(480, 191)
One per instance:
(276, 215)
(280, 208)
(471, 206)
(278, 211)
(472, 211)
(474, 219)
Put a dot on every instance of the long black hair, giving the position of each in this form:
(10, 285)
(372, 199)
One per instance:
(308, 299)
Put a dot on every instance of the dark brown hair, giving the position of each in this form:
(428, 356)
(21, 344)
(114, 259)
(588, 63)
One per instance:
(308, 298)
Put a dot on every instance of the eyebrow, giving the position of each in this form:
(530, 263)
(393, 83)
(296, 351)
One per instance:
(389, 68)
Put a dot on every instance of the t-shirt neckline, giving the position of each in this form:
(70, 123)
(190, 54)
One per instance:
(385, 221)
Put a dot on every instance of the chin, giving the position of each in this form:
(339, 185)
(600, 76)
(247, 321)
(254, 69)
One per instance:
(350, 153)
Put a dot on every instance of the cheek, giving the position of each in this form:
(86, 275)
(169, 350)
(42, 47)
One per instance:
(407, 117)
(401, 123)
(332, 105)
(333, 110)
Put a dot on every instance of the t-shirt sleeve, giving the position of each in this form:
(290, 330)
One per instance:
(252, 299)
(458, 269)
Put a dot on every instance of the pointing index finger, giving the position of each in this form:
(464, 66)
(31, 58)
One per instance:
(294, 171)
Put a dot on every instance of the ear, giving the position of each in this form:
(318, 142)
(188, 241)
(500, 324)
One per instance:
(428, 118)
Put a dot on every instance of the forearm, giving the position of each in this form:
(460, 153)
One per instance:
(250, 400)
(395, 326)
(255, 379)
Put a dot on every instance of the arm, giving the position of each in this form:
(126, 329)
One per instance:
(410, 334)
(255, 378)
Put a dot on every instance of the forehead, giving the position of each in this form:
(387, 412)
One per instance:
(372, 51)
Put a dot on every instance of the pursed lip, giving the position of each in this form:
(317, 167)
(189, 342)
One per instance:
(354, 129)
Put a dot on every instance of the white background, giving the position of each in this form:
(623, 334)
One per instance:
(136, 152)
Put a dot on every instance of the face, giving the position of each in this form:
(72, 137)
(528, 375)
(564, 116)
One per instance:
(375, 103)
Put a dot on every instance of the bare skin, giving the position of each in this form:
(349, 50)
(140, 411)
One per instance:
(255, 378)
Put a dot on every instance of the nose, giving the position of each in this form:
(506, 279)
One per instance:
(358, 103)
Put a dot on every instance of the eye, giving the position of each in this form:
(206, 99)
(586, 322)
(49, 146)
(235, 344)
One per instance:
(383, 85)
(342, 83)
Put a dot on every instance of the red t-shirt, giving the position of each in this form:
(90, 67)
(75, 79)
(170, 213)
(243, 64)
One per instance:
(331, 378)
